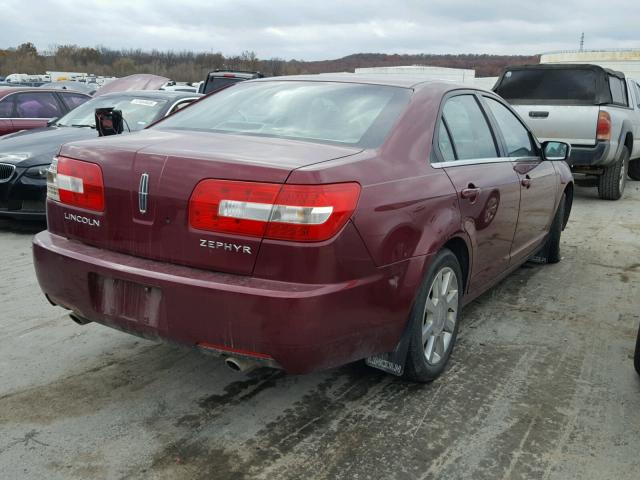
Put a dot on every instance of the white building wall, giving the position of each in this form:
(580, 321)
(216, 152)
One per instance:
(625, 61)
(459, 75)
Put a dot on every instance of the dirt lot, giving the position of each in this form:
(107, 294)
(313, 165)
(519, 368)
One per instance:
(540, 386)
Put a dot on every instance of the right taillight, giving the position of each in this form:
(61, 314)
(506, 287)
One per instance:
(303, 213)
(76, 183)
(603, 131)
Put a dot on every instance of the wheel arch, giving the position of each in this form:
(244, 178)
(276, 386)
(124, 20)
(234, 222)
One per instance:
(458, 246)
(568, 203)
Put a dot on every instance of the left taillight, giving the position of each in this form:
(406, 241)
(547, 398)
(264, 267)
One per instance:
(76, 183)
(302, 213)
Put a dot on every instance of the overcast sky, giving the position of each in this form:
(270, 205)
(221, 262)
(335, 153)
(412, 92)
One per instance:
(324, 29)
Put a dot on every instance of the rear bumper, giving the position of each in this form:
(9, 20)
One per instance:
(302, 327)
(587, 156)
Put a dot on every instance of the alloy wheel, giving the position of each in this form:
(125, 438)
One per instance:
(440, 315)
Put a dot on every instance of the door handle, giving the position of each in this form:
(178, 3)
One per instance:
(471, 193)
(526, 181)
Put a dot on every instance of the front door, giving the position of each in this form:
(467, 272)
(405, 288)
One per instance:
(488, 187)
(538, 181)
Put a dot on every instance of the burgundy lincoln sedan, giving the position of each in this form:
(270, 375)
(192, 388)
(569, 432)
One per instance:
(305, 222)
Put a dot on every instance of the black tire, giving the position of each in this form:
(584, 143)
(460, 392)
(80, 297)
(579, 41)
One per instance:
(550, 252)
(636, 356)
(634, 169)
(614, 178)
(417, 367)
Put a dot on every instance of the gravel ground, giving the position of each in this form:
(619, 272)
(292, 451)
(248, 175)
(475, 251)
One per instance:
(540, 386)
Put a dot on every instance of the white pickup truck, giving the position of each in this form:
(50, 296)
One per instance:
(595, 110)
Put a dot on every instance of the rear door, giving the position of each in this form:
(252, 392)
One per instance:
(538, 180)
(488, 187)
(35, 109)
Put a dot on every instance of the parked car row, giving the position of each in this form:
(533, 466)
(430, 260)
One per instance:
(25, 156)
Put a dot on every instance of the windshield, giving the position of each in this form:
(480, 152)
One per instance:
(549, 84)
(342, 113)
(137, 112)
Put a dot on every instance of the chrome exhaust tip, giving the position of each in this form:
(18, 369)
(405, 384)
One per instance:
(239, 364)
(79, 319)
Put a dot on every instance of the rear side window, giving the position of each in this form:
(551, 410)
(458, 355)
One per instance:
(637, 90)
(470, 132)
(515, 135)
(72, 100)
(531, 86)
(37, 105)
(618, 91)
(6, 107)
(444, 142)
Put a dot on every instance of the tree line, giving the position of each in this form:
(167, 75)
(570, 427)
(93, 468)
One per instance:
(189, 66)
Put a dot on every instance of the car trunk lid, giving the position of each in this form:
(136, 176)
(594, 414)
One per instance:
(169, 165)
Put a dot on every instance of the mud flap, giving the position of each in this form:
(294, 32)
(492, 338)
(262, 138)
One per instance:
(392, 362)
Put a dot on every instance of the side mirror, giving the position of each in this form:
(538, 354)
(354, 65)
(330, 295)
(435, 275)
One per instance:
(557, 151)
(109, 121)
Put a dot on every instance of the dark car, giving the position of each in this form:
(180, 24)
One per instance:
(305, 222)
(220, 79)
(26, 156)
(27, 108)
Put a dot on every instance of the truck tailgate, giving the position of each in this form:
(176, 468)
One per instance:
(574, 124)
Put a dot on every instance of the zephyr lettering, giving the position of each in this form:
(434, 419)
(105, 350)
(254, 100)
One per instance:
(227, 247)
(72, 217)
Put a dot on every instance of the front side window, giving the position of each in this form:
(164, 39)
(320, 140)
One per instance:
(73, 100)
(515, 135)
(6, 107)
(637, 89)
(37, 105)
(470, 132)
(313, 111)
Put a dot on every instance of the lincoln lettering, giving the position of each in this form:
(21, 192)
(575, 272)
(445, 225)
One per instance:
(228, 247)
(93, 222)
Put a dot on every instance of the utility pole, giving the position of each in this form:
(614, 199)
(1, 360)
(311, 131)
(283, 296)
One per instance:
(582, 42)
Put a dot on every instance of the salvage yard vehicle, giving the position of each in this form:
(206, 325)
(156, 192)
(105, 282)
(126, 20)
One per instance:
(27, 108)
(220, 79)
(25, 156)
(305, 222)
(594, 109)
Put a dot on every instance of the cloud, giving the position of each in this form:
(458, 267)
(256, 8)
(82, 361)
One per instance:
(326, 29)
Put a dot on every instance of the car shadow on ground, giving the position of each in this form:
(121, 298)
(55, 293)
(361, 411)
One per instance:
(27, 227)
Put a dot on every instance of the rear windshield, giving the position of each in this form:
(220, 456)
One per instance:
(556, 85)
(326, 112)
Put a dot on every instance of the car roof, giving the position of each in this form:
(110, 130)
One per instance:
(409, 81)
(157, 94)
(6, 90)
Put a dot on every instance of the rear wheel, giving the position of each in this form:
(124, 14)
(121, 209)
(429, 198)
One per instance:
(634, 169)
(612, 182)
(434, 319)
